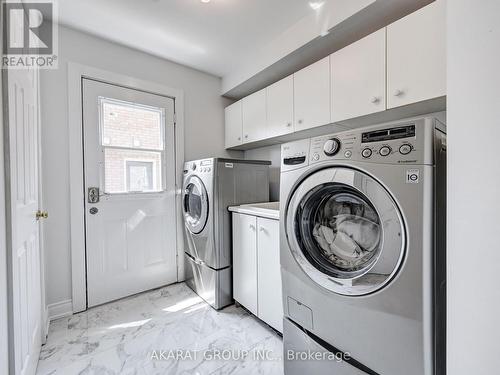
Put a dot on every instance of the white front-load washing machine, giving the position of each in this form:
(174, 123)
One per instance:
(363, 251)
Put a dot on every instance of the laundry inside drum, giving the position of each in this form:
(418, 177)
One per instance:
(347, 230)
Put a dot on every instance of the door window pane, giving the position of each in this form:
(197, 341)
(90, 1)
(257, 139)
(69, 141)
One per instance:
(129, 171)
(131, 125)
(139, 175)
(132, 139)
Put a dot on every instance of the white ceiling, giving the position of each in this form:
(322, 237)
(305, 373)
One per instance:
(215, 37)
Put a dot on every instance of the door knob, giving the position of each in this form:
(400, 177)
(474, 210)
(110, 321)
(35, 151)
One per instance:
(41, 215)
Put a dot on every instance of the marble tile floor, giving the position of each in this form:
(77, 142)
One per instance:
(149, 333)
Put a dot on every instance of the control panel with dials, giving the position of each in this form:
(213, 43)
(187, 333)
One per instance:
(400, 144)
(199, 166)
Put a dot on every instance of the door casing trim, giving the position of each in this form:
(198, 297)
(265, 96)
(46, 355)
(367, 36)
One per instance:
(76, 72)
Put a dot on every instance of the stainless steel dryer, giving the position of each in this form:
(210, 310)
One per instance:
(210, 186)
(362, 237)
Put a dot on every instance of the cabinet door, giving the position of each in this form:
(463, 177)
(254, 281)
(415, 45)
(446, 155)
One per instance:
(254, 117)
(311, 93)
(416, 56)
(269, 273)
(280, 108)
(245, 261)
(233, 124)
(358, 78)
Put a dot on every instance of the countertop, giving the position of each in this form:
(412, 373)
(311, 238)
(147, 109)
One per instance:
(269, 210)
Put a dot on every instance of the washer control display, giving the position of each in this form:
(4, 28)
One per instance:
(366, 153)
(385, 150)
(405, 149)
(331, 146)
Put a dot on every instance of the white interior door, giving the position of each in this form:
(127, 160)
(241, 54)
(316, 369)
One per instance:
(26, 286)
(130, 191)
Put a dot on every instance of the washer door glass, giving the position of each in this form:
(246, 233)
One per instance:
(345, 231)
(339, 229)
(195, 204)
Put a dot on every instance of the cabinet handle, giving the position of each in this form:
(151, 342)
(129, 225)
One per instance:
(300, 121)
(252, 226)
(375, 99)
(288, 124)
(246, 135)
(239, 138)
(262, 229)
(398, 92)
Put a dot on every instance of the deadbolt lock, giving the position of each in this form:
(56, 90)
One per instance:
(41, 215)
(93, 195)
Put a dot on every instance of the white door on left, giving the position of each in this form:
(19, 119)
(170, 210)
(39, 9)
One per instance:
(23, 200)
(129, 166)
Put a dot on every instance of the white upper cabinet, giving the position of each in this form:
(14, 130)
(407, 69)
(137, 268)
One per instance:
(254, 116)
(358, 78)
(312, 95)
(280, 108)
(234, 125)
(416, 56)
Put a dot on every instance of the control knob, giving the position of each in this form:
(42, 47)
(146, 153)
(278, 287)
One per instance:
(331, 147)
(366, 153)
(385, 150)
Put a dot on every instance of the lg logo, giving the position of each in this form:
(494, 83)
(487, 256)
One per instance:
(28, 28)
(412, 176)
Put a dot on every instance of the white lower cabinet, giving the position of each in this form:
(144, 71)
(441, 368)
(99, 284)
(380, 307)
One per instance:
(269, 294)
(256, 267)
(245, 261)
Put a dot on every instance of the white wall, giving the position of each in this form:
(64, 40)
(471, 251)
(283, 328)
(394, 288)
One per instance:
(204, 131)
(473, 30)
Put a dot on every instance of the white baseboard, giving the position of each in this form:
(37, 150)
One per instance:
(60, 309)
